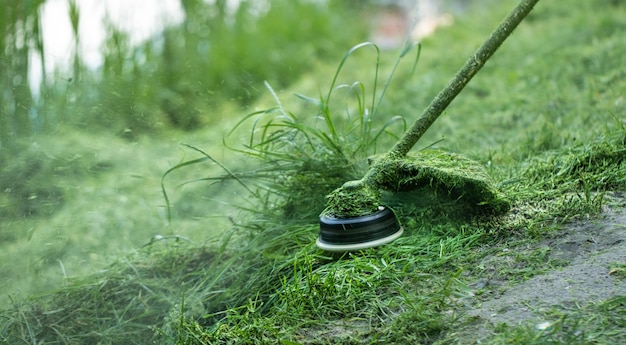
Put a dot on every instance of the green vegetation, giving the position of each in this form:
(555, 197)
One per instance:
(70, 155)
(543, 123)
(437, 175)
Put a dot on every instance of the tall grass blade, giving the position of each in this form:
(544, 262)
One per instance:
(206, 157)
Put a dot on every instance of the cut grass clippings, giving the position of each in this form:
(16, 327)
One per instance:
(277, 286)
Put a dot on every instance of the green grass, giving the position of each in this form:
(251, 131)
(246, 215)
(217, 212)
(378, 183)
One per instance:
(87, 205)
(80, 166)
(551, 137)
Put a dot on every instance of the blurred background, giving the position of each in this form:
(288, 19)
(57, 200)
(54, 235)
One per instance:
(177, 59)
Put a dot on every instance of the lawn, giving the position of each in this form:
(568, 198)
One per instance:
(230, 257)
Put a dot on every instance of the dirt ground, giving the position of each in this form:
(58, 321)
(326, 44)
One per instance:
(588, 250)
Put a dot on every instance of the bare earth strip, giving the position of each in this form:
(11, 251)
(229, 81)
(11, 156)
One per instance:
(591, 248)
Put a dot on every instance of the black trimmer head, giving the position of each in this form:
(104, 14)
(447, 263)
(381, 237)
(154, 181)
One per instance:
(355, 233)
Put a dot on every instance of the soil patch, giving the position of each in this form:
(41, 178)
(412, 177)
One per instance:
(588, 249)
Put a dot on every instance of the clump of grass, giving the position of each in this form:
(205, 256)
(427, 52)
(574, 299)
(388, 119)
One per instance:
(363, 198)
(445, 174)
(300, 159)
(349, 137)
(570, 183)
